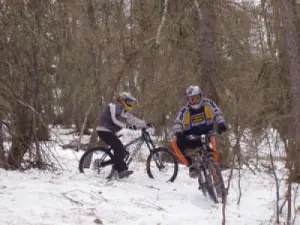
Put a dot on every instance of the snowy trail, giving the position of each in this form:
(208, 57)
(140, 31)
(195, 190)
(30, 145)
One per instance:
(70, 198)
(42, 198)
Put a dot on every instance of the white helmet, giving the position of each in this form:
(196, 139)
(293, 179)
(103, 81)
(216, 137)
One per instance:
(126, 99)
(194, 96)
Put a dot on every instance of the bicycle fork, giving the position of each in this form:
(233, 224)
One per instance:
(201, 177)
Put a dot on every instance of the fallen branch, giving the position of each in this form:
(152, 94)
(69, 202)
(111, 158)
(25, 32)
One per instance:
(75, 146)
(72, 200)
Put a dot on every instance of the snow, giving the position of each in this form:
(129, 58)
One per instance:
(67, 197)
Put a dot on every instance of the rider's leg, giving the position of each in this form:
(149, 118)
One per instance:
(182, 145)
(119, 152)
(178, 148)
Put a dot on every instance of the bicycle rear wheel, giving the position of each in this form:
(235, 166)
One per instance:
(163, 160)
(98, 161)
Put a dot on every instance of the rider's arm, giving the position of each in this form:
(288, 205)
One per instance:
(178, 123)
(118, 115)
(133, 120)
(123, 118)
(216, 111)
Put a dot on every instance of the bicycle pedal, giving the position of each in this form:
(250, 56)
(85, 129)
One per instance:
(193, 172)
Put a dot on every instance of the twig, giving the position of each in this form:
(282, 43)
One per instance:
(163, 19)
(276, 179)
(227, 190)
(295, 206)
(198, 8)
(283, 204)
(247, 165)
(239, 181)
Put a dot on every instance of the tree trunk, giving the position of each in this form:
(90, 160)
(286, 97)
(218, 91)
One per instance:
(22, 136)
(66, 116)
(2, 155)
(208, 56)
(79, 119)
(291, 39)
(209, 62)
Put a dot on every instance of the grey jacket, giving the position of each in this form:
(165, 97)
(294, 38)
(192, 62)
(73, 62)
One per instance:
(115, 117)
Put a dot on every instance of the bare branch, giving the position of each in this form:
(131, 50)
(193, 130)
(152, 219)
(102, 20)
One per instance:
(157, 40)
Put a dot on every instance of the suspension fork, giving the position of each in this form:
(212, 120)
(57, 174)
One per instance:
(202, 175)
(151, 147)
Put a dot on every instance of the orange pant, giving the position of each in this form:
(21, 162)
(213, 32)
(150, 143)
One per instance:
(182, 158)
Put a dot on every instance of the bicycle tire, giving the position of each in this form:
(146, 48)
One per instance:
(170, 153)
(201, 183)
(211, 186)
(221, 183)
(91, 151)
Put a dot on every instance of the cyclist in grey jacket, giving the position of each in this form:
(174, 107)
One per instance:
(117, 115)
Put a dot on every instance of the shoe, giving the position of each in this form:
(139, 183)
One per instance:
(193, 172)
(124, 173)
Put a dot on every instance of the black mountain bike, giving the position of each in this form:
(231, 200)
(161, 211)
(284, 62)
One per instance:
(159, 158)
(210, 178)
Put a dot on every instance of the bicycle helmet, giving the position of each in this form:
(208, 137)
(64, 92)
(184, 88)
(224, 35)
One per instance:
(194, 96)
(126, 99)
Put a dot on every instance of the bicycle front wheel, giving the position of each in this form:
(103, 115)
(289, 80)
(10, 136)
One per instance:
(215, 182)
(162, 165)
(97, 161)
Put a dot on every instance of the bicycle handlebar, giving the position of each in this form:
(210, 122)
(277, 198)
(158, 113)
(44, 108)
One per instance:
(192, 136)
(144, 129)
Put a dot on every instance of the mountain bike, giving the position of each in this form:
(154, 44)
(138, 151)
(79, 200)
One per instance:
(161, 157)
(210, 178)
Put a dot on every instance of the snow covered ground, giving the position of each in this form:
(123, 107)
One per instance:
(67, 197)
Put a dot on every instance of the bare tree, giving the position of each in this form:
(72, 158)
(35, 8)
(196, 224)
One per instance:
(289, 21)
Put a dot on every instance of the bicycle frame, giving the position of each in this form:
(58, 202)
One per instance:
(205, 145)
(143, 138)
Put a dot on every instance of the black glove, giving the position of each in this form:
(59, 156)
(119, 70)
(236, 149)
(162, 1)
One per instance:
(132, 127)
(222, 127)
(150, 125)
